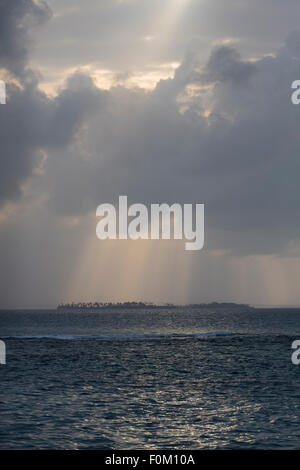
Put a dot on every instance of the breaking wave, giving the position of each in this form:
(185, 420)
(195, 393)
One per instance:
(125, 336)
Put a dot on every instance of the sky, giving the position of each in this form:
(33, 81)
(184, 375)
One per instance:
(185, 101)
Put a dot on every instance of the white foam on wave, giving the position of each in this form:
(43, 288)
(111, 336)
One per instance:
(131, 336)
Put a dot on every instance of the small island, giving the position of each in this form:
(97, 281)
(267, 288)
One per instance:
(96, 306)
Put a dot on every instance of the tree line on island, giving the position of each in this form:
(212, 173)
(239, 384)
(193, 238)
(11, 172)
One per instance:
(148, 305)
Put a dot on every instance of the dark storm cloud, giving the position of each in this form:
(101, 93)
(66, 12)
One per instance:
(31, 122)
(225, 64)
(17, 17)
(241, 161)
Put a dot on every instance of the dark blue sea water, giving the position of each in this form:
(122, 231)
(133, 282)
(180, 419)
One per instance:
(150, 379)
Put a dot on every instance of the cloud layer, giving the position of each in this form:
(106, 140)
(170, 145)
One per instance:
(232, 143)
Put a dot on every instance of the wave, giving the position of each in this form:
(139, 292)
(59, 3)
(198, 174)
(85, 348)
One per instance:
(150, 336)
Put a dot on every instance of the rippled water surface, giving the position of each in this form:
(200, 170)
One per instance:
(166, 379)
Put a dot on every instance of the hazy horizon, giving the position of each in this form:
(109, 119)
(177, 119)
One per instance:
(257, 306)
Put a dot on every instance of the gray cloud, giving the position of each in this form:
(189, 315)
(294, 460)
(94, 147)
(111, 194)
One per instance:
(16, 19)
(225, 64)
(241, 161)
(31, 122)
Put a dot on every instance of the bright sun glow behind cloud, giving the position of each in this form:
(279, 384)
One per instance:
(163, 30)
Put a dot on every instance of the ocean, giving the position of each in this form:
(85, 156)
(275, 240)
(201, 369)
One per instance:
(174, 378)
